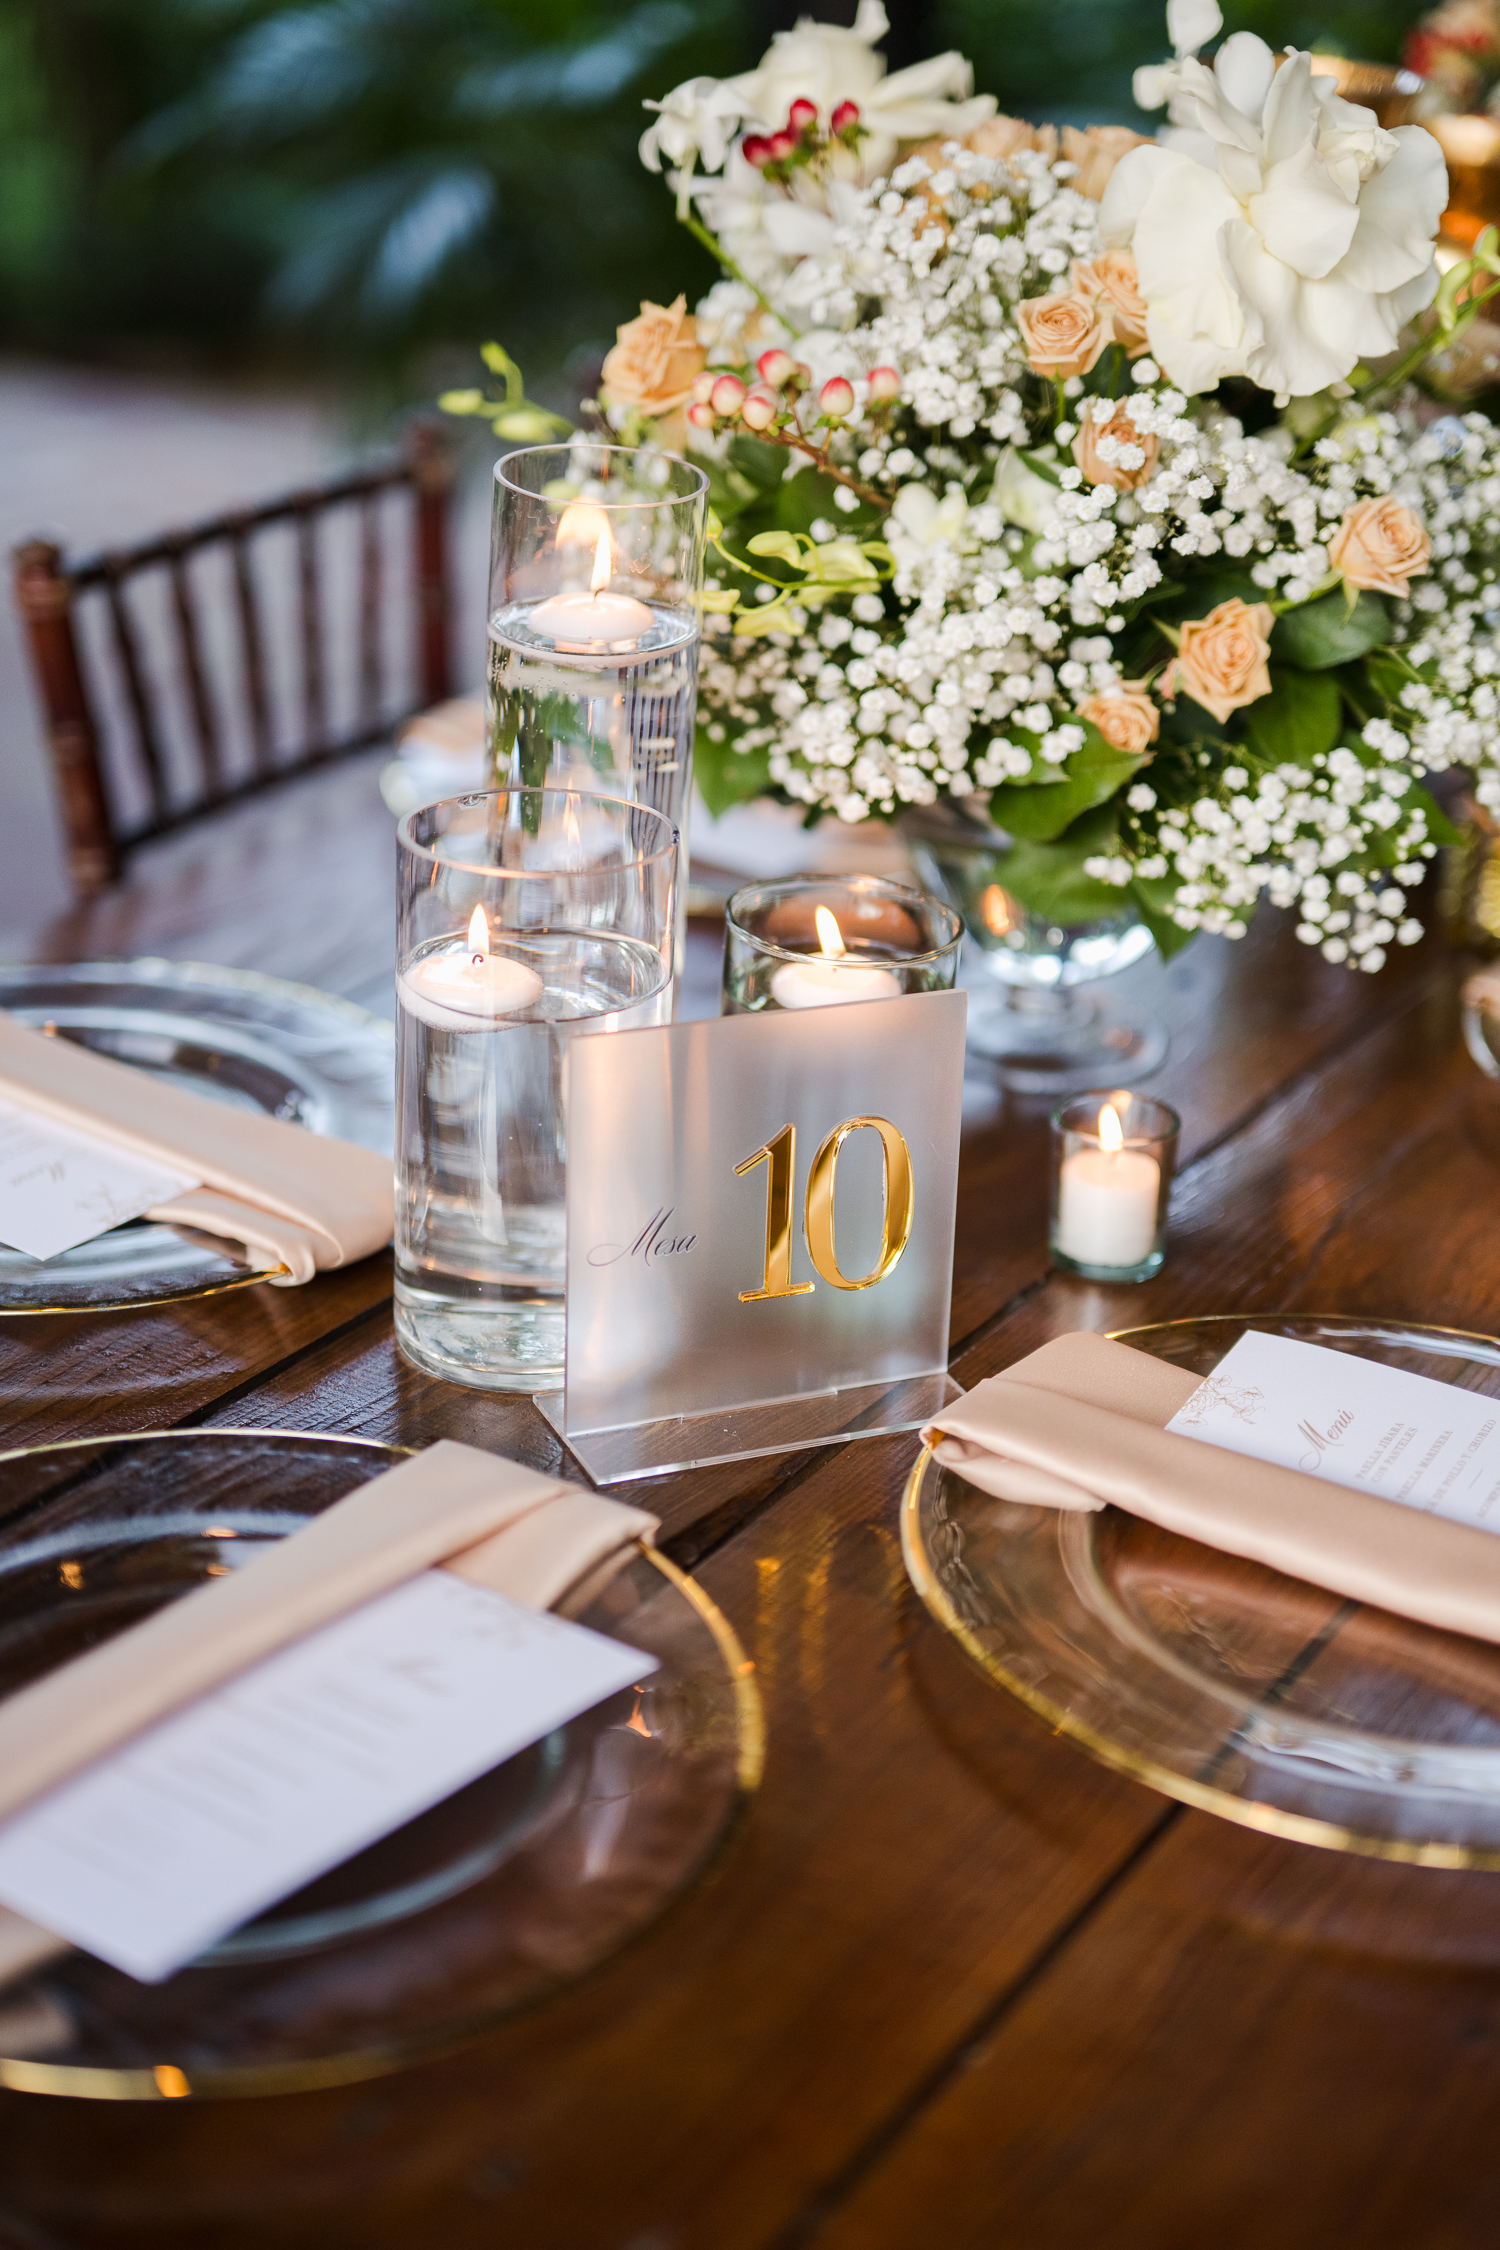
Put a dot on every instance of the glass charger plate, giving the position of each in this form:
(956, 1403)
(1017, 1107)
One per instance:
(237, 1037)
(517, 1884)
(1216, 1681)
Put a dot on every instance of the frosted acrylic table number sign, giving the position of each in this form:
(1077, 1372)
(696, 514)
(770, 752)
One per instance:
(760, 1217)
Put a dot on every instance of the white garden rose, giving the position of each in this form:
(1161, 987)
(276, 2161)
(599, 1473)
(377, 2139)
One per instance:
(1307, 246)
(829, 63)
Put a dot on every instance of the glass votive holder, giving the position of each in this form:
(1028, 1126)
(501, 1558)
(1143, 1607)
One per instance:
(1113, 1156)
(526, 919)
(821, 941)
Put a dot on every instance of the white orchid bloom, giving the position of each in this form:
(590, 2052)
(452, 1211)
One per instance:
(1022, 496)
(1307, 244)
(697, 121)
(926, 519)
(830, 63)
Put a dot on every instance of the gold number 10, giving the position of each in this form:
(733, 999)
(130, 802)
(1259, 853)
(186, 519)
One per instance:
(780, 1158)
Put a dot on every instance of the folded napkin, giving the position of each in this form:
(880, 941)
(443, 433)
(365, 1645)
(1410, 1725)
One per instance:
(1080, 1424)
(488, 1519)
(303, 1199)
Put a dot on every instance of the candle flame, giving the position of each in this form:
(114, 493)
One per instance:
(995, 907)
(830, 936)
(603, 564)
(581, 524)
(1111, 1132)
(479, 936)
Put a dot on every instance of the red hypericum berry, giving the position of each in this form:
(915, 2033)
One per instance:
(727, 395)
(779, 147)
(760, 409)
(801, 373)
(844, 116)
(702, 415)
(775, 366)
(836, 398)
(756, 149)
(801, 115)
(703, 386)
(884, 383)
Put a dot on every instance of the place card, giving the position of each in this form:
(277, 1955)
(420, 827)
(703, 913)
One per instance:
(215, 1813)
(60, 1187)
(1352, 1421)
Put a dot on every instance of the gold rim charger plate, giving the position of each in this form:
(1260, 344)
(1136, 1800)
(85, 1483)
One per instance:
(1221, 1683)
(510, 1889)
(232, 1035)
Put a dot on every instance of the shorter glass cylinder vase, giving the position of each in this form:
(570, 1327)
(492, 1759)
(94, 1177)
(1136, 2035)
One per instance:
(1044, 1034)
(1113, 1156)
(823, 941)
(527, 918)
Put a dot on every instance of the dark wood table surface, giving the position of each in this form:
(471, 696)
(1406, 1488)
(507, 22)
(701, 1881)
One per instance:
(954, 1984)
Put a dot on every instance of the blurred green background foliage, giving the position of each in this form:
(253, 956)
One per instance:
(362, 189)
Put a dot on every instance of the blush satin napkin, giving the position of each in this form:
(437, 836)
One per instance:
(489, 1520)
(1080, 1424)
(308, 1201)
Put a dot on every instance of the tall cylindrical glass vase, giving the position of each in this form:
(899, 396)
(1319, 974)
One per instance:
(527, 918)
(596, 569)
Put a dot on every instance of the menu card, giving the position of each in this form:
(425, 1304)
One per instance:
(60, 1187)
(1331, 1414)
(217, 1812)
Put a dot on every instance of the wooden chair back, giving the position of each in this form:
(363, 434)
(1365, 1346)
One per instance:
(197, 667)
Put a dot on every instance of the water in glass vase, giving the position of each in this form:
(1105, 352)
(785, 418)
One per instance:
(618, 718)
(480, 1232)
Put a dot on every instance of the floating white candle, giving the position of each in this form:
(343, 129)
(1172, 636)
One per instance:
(834, 980)
(466, 987)
(1107, 1199)
(581, 623)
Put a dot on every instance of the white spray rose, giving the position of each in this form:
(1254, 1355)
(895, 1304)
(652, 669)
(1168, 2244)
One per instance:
(1308, 245)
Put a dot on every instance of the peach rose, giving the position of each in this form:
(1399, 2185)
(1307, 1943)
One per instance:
(1064, 334)
(1113, 284)
(1221, 659)
(1125, 716)
(1130, 458)
(655, 359)
(1380, 546)
(1006, 136)
(1096, 151)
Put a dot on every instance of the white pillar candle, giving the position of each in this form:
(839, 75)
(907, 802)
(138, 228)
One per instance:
(831, 979)
(1107, 1199)
(466, 987)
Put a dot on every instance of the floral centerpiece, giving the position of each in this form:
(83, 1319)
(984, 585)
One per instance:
(1080, 481)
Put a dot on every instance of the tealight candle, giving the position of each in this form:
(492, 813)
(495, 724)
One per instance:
(466, 987)
(832, 979)
(1109, 1196)
(598, 619)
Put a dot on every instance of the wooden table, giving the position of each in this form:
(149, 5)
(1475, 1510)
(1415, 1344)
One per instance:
(954, 1984)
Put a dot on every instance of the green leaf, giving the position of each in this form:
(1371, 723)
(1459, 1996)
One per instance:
(764, 465)
(803, 500)
(1153, 900)
(1048, 878)
(726, 776)
(1390, 672)
(1298, 721)
(1088, 778)
(1327, 631)
(1439, 827)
